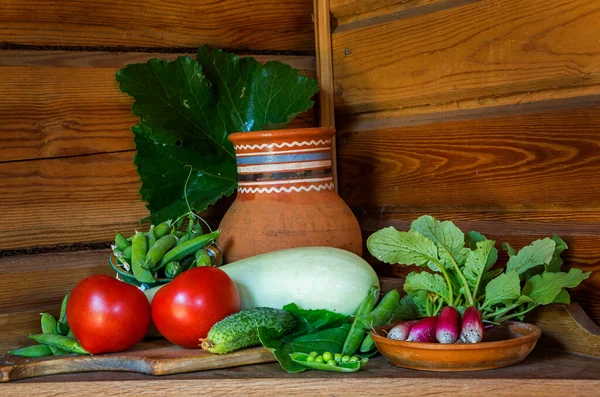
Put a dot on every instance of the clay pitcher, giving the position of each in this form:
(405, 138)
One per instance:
(286, 197)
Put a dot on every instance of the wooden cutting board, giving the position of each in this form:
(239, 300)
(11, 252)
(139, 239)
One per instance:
(158, 357)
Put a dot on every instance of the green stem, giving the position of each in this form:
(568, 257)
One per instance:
(438, 308)
(462, 279)
(428, 307)
(518, 314)
(501, 312)
(450, 289)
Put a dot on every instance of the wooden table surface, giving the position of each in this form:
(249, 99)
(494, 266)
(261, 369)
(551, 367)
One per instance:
(544, 372)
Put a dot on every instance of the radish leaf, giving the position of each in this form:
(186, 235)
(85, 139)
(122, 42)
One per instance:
(424, 281)
(557, 262)
(538, 253)
(406, 248)
(449, 238)
(503, 289)
(544, 288)
(477, 263)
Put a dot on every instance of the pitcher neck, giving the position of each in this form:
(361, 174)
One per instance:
(287, 164)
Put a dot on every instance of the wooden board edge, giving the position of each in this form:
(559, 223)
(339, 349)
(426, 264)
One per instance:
(569, 328)
(324, 66)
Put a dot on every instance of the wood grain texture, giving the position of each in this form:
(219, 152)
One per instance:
(151, 357)
(356, 13)
(69, 200)
(543, 373)
(325, 73)
(537, 162)
(57, 104)
(483, 48)
(247, 24)
(44, 279)
(559, 321)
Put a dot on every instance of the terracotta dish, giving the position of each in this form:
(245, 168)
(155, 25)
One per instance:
(503, 345)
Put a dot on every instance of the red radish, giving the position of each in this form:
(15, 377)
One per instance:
(401, 331)
(447, 328)
(423, 331)
(472, 326)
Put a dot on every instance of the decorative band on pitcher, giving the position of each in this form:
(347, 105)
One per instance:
(274, 168)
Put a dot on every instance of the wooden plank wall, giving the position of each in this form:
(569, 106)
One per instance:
(67, 178)
(485, 112)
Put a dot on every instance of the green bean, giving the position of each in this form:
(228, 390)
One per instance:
(186, 237)
(32, 351)
(138, 257)
(121, 242)
(62, 326)
(367, 344)
(151, 237)
(179, 223)
(172, 270)
(162, 229)
(301, 359)
(158, 250)
(357, 330)
(62, 342)
(202, 258)
(126, 253)
(383, 312)
(50, 326)
(190, 246)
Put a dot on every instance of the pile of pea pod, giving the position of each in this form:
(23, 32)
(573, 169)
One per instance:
(165, 251)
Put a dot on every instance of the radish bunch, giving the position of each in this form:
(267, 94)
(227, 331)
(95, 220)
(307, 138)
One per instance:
(445, 328)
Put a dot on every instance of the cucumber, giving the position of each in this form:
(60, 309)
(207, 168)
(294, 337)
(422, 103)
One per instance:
(241, 329)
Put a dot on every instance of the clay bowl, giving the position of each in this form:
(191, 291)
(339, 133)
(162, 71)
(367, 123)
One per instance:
(503, 345)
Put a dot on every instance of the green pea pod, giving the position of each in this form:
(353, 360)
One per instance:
(151, 237)
(158, 250)
(300, 358)
(32, 351)
(179, 223)
(50, 326)
(367, 344)
(202, 258)
(62, 325)
(138, 257)
(191, 224)
(383, 313)
(179, 252)
(126, 253)
(60, 341)
(121, 242)
(178, 233)
(358, 330)
(173, 270)
(162, 229)
(186, 237)
(71, 335)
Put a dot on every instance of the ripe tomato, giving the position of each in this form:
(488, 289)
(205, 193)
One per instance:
(107, 315)
(185, 309)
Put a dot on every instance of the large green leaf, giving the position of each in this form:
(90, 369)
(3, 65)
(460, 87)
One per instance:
(406, 248)
(188, 108)
(477, 263)
(424, 281)
(504, 288)
(538, 253)
(447, 236)
(547, 287)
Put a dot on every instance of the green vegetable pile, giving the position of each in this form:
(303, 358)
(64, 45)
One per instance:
(165, 251)
(462, 273)
(187, 109)
(56, 338)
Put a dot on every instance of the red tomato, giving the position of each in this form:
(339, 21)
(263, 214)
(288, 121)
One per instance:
(107, 315)
(185, 309)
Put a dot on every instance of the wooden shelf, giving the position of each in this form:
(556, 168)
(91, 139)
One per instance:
(544, 372)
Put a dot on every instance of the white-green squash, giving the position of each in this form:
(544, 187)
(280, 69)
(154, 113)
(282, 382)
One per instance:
(312, 277)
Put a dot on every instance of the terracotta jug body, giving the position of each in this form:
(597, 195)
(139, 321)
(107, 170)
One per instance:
(286, 196)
